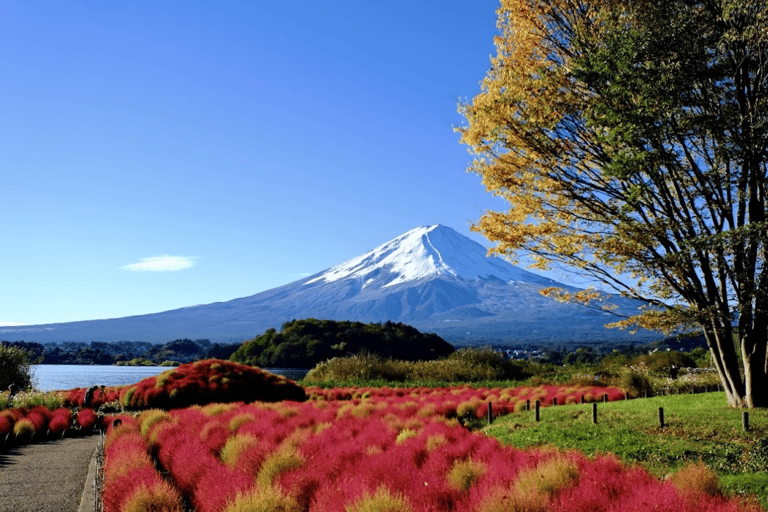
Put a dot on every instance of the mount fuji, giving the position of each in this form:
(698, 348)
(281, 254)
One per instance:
(430, 277)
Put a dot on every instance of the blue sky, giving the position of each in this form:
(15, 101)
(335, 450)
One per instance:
(156, 155)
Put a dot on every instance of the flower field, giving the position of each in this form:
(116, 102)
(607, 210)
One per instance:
(378, 449)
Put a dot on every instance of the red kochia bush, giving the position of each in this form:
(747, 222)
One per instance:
(87, 419)
(60, 421)
(209, 381)
(76, 397)
(40, 415)
(6, 424)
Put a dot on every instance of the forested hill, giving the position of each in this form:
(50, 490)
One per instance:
(304, 343)
(123, 352)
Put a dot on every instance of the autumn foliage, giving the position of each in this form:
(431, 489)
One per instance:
(630, 141)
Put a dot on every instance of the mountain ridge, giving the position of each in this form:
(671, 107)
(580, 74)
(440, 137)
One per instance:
(430, 277)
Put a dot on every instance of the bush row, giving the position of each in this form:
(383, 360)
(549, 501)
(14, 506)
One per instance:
(22, 425)
(466, 402)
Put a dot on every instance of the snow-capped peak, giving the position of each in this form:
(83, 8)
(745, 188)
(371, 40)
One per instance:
(427, 251)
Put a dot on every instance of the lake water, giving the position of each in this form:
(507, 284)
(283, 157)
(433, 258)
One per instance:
(49, 377)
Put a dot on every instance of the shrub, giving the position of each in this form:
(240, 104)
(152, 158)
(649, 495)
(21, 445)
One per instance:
(157, 497)
(6, 423)
(148, 419)
(219, 487)
(240, 419)
(465, 473)
(549, 477)
(234, 448)
(24, 430)
(382, 500)
(696, 478)
(214, 435)
(39, 417)
(363, 366)
(635, 383)
(87, 419)
(209, 381)
(264, 499)
(283, 459)
(60, 421)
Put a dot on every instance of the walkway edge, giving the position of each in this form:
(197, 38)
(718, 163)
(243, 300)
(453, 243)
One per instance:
(87, 500)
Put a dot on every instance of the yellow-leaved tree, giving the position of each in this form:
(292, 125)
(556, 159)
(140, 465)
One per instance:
(630, 139)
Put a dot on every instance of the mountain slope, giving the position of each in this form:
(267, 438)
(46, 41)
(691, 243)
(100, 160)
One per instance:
(430, 277)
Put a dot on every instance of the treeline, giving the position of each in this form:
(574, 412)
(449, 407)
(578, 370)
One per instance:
(305, 343)
(123, 352)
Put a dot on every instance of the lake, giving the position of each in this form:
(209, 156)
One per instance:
(50, 377)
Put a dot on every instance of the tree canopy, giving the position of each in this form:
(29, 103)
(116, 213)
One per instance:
(630, 139)
(304, 343)
(15, 367)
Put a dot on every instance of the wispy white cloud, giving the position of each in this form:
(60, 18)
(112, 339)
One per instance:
(165, 263)
(10, 324)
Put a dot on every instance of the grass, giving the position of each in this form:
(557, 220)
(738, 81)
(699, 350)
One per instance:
(464, 365)
(50, 399)
(697, 428)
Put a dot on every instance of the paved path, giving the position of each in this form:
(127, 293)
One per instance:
(47, 476)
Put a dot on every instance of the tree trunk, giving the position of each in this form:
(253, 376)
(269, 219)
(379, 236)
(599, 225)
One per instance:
(753, 353)
(723, 351)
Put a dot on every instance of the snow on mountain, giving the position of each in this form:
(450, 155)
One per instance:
(425, 252)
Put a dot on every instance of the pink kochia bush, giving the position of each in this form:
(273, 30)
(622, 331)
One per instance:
(209, 381)
(396, 453)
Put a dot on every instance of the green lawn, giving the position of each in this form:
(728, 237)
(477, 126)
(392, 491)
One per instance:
(697, 427)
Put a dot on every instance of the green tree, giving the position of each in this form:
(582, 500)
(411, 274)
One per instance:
(15, 367)
(630, 138)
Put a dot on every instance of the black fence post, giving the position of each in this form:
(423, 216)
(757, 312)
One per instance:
(661, 417)
(594, 413)
(745, 421)
(538, 406)
(490, 413)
